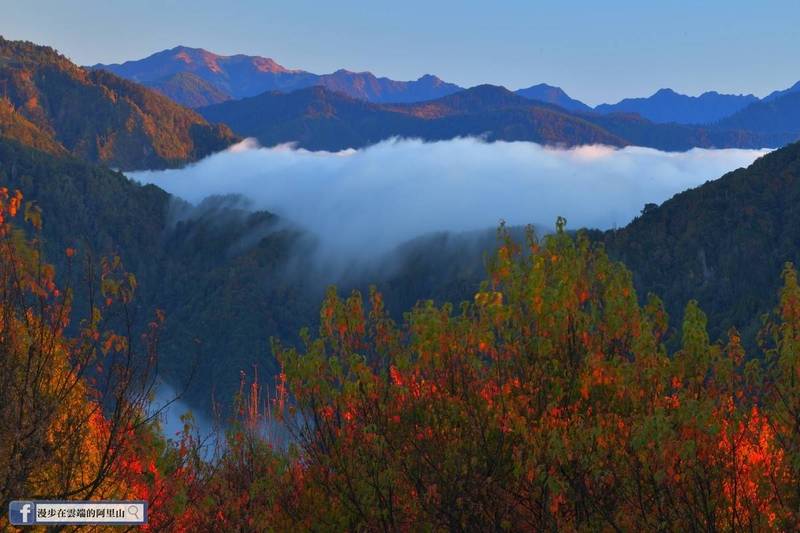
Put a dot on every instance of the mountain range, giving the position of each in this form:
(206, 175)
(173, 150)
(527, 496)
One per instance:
(665, 105)
(776, 115)
(196, 77)
(319, 119)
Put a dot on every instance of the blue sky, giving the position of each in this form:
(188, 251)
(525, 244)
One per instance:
(597, 51)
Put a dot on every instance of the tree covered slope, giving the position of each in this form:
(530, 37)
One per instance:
(722, 243)
(98, 116)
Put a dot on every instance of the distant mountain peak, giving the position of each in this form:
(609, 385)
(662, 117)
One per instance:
(488, 88)
(212, 61)
(551, 94)
(666, 91)
(546, 86)
(667, 105)
(178, 51)
(706, 95)
(203, 57)
(208, 65)
(184, 48)
(479, 98)
(777, 115)
(488, 93)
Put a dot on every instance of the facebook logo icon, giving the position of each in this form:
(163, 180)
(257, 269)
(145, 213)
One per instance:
(21, 513)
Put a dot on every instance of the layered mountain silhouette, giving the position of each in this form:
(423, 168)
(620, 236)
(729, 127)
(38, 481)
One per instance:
(240, 76)
(779, 115)
(319, 119)
(49, 103)
(196, 78)
(668, 106)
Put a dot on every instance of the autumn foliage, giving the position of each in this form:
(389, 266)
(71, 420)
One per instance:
(548, 402)
(74, 393)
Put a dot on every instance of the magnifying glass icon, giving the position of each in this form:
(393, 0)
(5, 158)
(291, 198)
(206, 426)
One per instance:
(134, 512)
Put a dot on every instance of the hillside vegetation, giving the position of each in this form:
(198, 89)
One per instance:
(720, 243)
(218, 297)
(96, 115)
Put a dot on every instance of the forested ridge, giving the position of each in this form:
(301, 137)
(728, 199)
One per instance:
(51, 103)
(218, 299)
(720, 243)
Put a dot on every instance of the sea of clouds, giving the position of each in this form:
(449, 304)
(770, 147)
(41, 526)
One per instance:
(365, 202)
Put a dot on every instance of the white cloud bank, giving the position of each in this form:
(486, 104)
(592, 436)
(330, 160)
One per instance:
(375, 198)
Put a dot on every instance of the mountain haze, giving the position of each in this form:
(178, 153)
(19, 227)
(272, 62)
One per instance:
(668, 106)
(780, 115)
(318, 119)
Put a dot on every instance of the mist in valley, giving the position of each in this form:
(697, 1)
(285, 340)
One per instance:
(357, 207)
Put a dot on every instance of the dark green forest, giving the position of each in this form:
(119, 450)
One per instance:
(719, 243)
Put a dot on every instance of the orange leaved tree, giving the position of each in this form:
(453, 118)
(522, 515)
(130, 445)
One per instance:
(74, 395)
(549, 402)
